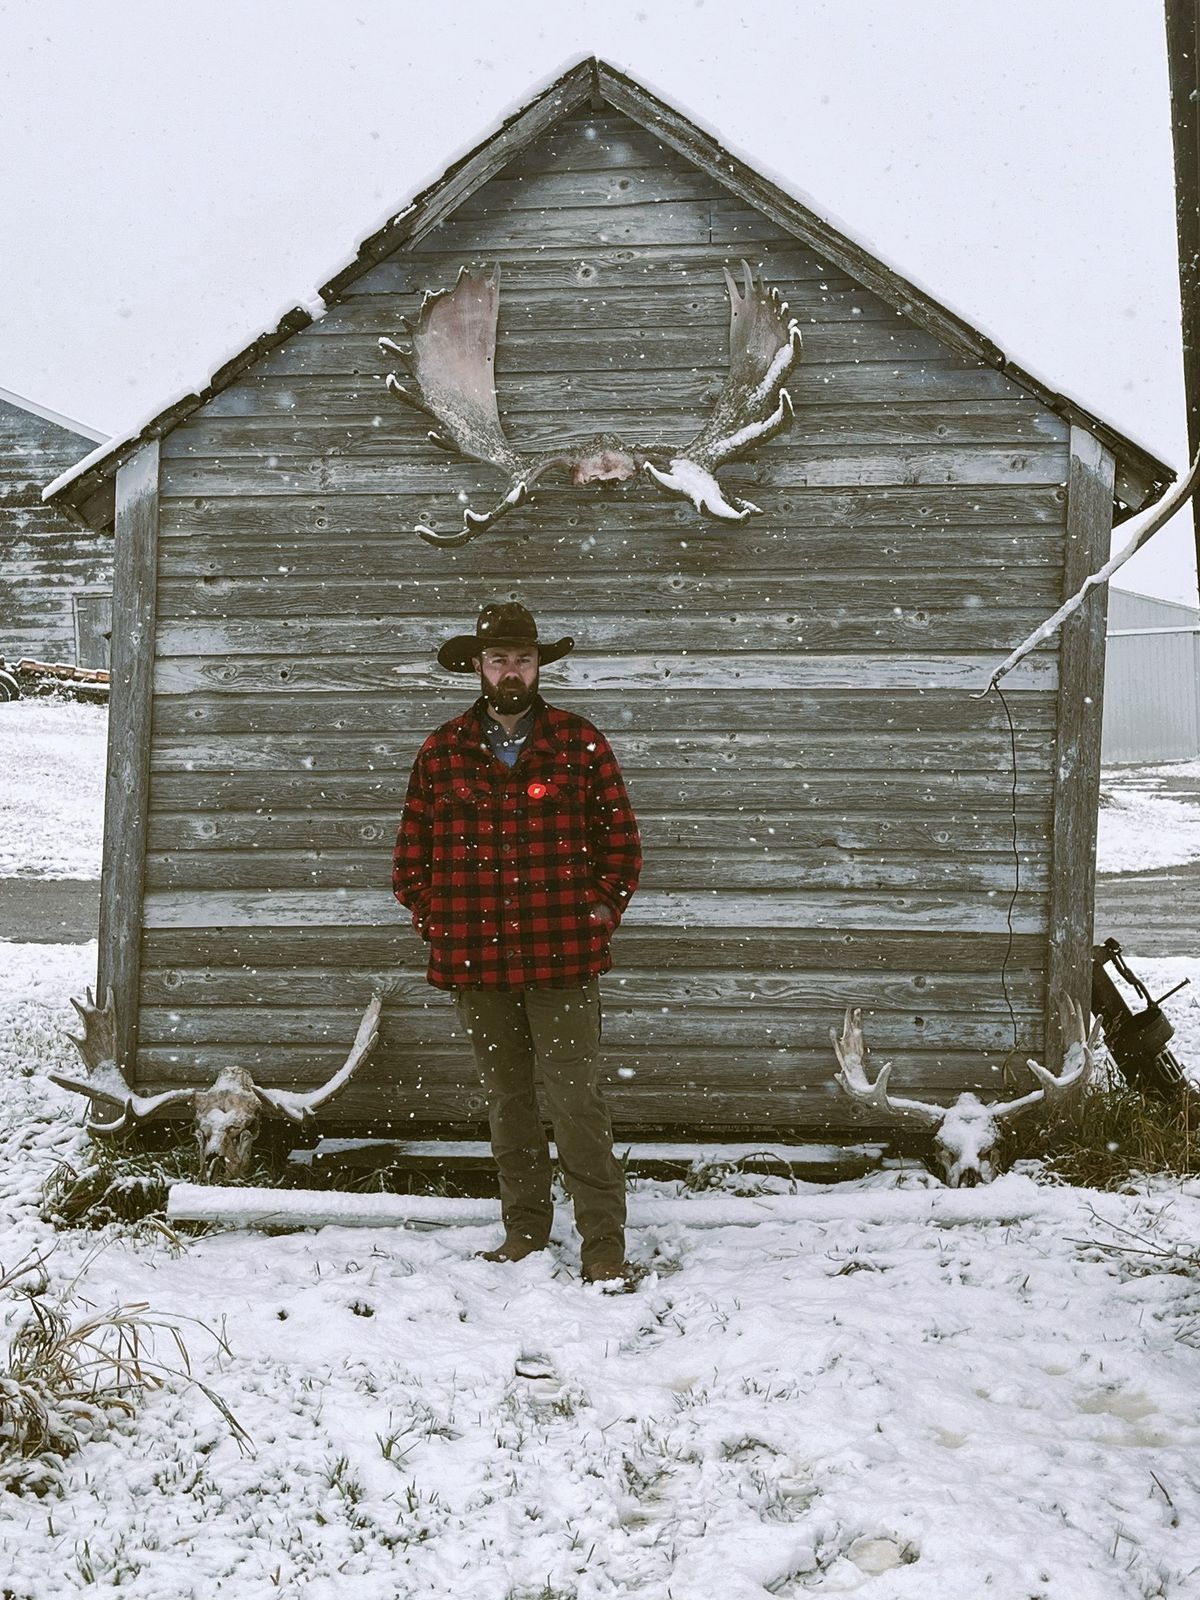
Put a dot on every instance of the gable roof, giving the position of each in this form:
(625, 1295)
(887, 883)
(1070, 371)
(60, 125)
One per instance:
(67, 424)
(88, 489)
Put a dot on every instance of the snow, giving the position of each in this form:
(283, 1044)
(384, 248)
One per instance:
(109, 446)
(1139, 827)
(1008, 1200)
(52, 756)
(880, 1385)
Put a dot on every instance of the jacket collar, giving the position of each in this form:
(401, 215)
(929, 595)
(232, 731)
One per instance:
(543, 736)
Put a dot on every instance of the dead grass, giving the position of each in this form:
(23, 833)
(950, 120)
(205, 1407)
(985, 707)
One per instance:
(71, 1369)
(1118, 1136)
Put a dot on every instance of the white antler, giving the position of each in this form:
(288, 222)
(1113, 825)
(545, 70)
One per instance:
(298, 1107)
(764, 345)
(104, 1080)
(1078, 1063)
(851, 1050)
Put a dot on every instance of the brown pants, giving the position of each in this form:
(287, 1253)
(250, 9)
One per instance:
(556, 1032)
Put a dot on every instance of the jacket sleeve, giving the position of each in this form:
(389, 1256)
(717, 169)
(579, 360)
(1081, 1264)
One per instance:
(614, 843)
(412, 859)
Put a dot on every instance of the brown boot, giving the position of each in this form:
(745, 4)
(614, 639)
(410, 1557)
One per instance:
(612, 1273)
(513, 1247)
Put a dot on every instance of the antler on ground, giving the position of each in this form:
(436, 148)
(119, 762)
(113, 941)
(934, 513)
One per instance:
(851, 1051)
(104, 1079)
(298, 1107)
(226, 1113)
(451, 362)
(966, 1133)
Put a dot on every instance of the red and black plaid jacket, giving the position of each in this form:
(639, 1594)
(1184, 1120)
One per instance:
(501, 866)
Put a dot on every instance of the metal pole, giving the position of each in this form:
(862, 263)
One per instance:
(1183, 59)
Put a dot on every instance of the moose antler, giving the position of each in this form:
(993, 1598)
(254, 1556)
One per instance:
(966, 1132)
(851, 1051)
(451, 361)
(299, 1107)
(752, 406)
(226, 1112)
(104, 1079)
(1079, 1060)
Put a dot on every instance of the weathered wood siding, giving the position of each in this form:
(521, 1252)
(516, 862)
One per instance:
(50, 568)
(826, 810)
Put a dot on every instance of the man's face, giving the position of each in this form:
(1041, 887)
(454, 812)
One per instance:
(509, 678)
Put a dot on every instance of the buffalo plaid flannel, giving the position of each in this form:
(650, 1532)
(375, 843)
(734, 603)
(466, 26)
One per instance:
(501, 867)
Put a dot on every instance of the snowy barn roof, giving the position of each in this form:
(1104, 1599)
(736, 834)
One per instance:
(87, 490)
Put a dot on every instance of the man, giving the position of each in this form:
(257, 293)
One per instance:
(517, 853)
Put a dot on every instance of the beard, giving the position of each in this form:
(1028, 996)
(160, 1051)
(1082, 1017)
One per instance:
(510, 695)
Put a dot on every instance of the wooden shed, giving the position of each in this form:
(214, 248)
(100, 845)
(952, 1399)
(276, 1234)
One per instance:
(55, 581)
(828, 814)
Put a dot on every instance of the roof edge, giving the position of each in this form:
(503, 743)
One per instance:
(68, 424)
(86, 491)
(1141, 476)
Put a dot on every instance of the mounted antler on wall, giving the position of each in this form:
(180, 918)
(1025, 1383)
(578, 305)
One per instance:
(225, 1115)
(965, 1135)
(451, 365)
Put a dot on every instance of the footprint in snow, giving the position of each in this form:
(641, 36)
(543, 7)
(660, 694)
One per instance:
(834, 1569)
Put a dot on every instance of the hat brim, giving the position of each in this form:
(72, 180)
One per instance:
(460, 653)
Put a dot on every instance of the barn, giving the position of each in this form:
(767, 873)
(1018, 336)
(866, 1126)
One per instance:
(55, 580)
(829, 814)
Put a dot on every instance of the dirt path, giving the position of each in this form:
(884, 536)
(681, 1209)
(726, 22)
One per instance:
(1152, 913)
(49, 910)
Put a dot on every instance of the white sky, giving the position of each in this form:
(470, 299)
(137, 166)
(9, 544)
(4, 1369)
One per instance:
(174, 178)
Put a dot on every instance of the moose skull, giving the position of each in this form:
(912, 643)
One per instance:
(226, 1115)
(965, 1135)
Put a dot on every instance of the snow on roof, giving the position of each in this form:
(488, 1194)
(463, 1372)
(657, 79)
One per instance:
(525, 122)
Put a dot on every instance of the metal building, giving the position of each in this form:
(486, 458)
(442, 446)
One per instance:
(1151, 680)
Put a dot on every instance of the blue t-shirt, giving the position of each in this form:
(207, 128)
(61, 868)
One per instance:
(507, 746)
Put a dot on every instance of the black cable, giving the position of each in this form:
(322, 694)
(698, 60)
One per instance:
(1012, 739)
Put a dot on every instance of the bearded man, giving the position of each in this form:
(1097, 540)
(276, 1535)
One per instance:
(517, 853)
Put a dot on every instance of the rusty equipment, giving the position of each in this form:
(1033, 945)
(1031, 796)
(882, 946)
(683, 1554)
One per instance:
(1137, 1040)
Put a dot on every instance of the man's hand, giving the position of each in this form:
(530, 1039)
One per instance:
(603, 915)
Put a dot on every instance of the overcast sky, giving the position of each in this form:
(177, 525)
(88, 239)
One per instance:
(172, 178)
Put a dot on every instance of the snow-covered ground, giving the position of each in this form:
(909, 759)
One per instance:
(1141, 827)
(906, 1404)
(51, 788)
(989, 1401)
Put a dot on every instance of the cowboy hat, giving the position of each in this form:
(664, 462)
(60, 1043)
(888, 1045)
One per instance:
(501, 623)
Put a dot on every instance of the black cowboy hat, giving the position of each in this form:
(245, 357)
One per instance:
(502, 623)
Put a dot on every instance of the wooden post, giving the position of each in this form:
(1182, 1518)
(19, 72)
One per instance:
(1077, 747)
(126, 793)
(1183, 59)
